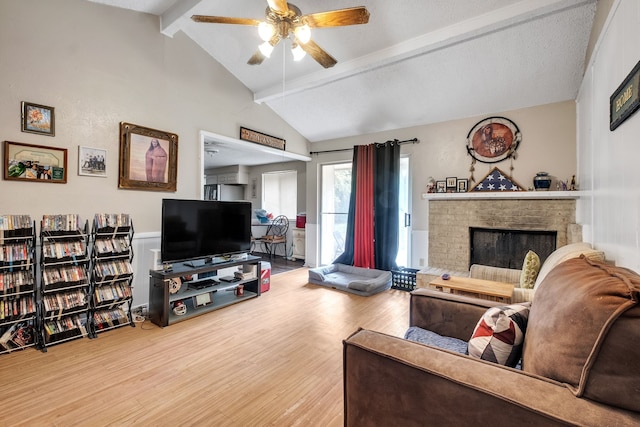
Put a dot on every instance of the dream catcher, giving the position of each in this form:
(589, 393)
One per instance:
(493, 140)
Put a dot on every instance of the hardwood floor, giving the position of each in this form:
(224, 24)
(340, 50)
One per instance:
(275, 360)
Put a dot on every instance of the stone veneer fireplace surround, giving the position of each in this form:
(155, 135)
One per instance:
(451, 216)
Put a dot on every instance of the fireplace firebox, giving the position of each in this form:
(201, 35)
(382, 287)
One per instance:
(507, 248)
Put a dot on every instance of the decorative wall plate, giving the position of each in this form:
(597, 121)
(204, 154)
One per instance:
(493, 139)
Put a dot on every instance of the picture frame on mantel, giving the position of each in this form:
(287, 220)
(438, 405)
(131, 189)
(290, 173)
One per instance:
(148, 158)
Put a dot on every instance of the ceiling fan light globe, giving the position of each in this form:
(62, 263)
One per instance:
(266, 48)
(266, 31)
(298, 52)
(303, 33)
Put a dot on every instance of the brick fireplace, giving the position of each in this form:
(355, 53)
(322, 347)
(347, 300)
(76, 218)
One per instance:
(450, 220)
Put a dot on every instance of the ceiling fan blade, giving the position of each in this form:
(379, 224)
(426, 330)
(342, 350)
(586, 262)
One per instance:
(225, 20)
(319, 54)
(338, 18)
(280, 6)
(257, 58)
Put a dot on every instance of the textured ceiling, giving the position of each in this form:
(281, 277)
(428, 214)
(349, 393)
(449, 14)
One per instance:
(414, 63)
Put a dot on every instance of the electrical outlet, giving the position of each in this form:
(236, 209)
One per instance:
(141, 310)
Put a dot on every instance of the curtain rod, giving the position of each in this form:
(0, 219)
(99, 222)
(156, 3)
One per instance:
(412, 141)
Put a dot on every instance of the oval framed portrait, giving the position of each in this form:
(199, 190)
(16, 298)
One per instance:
(493, 139)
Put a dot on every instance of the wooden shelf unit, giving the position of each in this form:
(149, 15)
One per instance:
(220, 294)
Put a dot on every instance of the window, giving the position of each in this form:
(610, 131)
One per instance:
(280, 193)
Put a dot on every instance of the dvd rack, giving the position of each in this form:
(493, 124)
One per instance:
(111, 273)
(64, 285)
(18, 307)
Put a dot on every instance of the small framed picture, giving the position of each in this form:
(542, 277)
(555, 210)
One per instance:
(451, 182)
(38, 119)
(441, 186)
(92, 161)
(463, 185)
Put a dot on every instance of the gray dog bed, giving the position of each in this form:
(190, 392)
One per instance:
(357, 280)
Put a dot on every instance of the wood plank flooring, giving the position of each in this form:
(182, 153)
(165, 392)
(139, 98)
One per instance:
(275, 360)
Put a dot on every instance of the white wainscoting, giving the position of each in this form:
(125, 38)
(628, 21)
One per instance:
(143, 243)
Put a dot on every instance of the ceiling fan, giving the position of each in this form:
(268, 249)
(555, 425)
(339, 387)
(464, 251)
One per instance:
(284, 20)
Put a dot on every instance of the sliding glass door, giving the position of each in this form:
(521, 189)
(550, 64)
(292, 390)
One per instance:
(335, 191)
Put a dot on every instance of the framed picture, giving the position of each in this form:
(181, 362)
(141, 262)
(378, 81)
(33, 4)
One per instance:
(493, 139)
(38, 119)
(463, 185)
(441, 186)
(148, 158)
(37, 163)
(452, 182)
(92, 161)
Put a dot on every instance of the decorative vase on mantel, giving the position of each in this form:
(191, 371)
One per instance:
(542, 181)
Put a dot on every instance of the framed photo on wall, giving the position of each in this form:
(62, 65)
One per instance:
(92, 161)
(35, 163)
(38, 119)
(148, 158)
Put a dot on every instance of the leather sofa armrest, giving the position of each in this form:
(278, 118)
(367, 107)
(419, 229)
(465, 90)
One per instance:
(392, 381)
(446, 314)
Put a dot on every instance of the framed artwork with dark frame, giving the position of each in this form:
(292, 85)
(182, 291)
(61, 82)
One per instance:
(452, 182)
(493, 139)
(148, 158)
(441, 186)
(463, 185)
(38, 119)
(36, 163)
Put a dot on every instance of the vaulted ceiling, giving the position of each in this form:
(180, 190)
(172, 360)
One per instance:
(415, 62)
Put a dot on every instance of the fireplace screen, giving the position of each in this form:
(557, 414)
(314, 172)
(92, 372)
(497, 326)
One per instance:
(507, 248)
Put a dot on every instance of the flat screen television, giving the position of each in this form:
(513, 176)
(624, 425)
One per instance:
(203, 229)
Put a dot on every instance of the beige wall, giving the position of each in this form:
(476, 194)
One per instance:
(98, 66)
(548, 144)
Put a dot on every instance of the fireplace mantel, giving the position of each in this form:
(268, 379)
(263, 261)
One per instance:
(513, 195)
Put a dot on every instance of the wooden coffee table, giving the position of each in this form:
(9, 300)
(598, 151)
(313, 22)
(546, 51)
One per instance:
(478, 288)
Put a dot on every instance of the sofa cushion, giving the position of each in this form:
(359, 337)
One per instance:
(584, 331)
(424, 336)
(499, 334)
(530, 269)
(573, 250)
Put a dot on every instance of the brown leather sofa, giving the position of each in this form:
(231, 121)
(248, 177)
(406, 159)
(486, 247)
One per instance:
(580, 363)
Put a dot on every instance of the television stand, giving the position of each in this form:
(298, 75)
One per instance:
(197, 299)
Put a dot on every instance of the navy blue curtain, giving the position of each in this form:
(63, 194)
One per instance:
(386, 186)
(386, 159)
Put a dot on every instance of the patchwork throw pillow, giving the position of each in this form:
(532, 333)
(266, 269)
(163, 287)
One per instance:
(530, 269)
(499, 334)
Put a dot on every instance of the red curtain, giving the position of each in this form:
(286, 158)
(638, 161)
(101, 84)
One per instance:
(363, 245)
